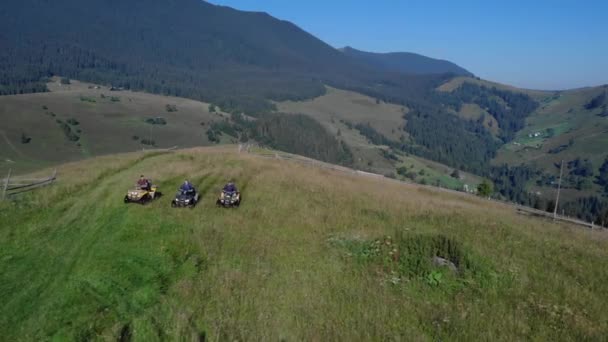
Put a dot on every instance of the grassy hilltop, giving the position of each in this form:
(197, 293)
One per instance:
(311, 254)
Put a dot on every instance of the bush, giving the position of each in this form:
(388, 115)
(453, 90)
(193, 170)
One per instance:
(149, 142)
(115, 99)
(67, 130)
(156, 121)
(171, 108)
(65, 80)
(73, 122)
(87, 99)
(484, 189)
(25, 139)
(135, 137)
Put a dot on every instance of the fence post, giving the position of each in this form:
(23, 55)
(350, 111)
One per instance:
(54, 176)
(6, 182)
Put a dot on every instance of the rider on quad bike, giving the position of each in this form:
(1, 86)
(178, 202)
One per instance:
(230, 196)
(186, 196)
(143, 183)
(230, 187)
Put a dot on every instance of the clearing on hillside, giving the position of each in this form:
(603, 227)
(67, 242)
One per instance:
(80, 120)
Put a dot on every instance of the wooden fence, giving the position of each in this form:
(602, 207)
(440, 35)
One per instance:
(16, 185)
(316, 163)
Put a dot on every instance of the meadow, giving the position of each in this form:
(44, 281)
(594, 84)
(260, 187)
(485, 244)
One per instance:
(102, 122)
(311, 254)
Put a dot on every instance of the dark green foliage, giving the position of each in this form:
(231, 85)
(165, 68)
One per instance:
(405, 62)
(510, 182)
(484, 189)
(156, 121)
(582, 168)
(25, 139)
(510, 117)
(149, 142)
(135, 137)
(211, 108)
(596, 102)
(347, 124)
(590, 209)
(115, 99)
(45, 108)
(373, 136)
(213, 136)
(233, 59)
(455, 174)
(72, 122)
(412, 257)
(445, 138)
(602, 177)
(558, 149)
(171, 108)
(65, 81)
(67, 130)
(225, 127)
(303, 135)
(389, 155)
(87, 99)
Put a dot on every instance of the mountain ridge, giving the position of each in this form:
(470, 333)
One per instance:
(405, 62)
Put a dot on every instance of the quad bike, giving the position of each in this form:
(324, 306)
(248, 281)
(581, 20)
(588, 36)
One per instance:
(229, 199)
(185, 199)
(142, 195)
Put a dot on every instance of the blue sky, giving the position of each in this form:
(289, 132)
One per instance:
(533, 44)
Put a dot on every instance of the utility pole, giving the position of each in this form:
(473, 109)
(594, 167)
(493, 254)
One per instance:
(559, 186)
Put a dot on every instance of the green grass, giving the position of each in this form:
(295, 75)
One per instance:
(108, 121)
(297, 261)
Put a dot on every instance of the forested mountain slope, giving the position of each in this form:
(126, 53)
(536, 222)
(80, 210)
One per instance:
(186, 48)
(405, 62)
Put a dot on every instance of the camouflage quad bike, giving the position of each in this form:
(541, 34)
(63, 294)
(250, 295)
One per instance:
(229, 199)
(141, 195)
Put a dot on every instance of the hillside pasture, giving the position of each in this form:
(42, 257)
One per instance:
(311, 254)
(106, 122)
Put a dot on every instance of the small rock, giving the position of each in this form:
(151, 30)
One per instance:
(439, 261)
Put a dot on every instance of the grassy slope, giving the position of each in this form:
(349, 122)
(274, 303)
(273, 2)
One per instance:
(76, 262)
(107, 126)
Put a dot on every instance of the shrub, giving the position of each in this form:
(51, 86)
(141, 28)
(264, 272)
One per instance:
(484, 189)
(149, 142)
(25, 139)
(171, 108)
(87, 99)
(156, 121)
(73, 122)
(67, 130)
